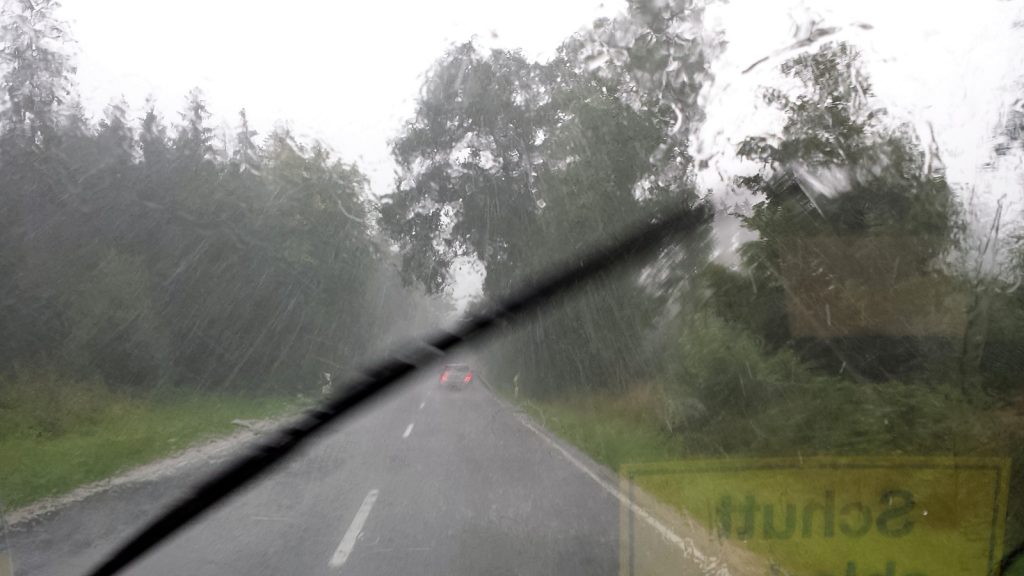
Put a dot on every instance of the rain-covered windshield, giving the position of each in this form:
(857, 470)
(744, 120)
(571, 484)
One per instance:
(215, 217)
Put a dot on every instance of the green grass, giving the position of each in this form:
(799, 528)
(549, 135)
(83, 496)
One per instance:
(620, 433)
(608, 434)
(124, 434)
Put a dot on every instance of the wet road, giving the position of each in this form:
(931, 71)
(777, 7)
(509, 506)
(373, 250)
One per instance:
(427, 482)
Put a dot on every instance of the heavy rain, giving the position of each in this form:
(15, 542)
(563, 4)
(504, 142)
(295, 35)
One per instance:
(665, 287)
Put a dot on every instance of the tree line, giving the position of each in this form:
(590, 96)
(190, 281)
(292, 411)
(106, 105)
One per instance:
(146, 252)
(860, 319)
(861, 284)
(873, 312)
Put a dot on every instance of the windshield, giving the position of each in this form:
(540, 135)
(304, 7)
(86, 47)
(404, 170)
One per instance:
(218, 221)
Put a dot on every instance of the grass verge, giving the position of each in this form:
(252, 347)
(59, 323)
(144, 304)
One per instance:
(620, 432)
(124, 434)
(606, 429)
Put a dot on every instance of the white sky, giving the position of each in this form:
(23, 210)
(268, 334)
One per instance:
(348, 72)
(951, 64)
(343, 71)
(954, 66)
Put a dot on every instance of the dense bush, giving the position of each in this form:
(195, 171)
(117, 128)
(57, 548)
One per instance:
(719, 368)
(727, 392)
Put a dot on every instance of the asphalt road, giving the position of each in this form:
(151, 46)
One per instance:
(425, 482)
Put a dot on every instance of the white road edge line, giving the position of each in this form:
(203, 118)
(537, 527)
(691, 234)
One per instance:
(408, 430)
(708, 564)
(348, 541)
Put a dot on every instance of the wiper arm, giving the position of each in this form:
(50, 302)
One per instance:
(641, 240)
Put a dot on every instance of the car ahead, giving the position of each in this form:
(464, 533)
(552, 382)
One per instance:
(456, 376)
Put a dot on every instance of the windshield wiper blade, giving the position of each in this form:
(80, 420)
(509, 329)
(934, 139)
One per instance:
(643, 239)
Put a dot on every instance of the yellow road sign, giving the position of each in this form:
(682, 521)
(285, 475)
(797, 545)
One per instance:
(839, 516)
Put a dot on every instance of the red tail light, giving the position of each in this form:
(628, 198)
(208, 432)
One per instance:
(468, 377)
(444, 376)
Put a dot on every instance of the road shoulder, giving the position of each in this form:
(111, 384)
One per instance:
(655, 538)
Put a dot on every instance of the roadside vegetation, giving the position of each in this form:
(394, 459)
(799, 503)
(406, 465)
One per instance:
(160, 278)
(619, 430)
(56, 435)
(873, 308)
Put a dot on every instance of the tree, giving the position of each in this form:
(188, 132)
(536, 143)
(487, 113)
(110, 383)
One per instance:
(466, 164)
(34, 181)
(116, 138)
(153, 140)
(193, 142)
(37, 72)
(143, 259)
(246, 154)
(520, 165)
(839, 166)
(854, 222)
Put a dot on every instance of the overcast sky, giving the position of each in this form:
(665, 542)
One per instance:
(348, 72)
(953, 65)
(342, 71)
(948, 68)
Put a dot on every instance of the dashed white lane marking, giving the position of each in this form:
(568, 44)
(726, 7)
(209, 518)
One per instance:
(422, 404)
(348, 541)
(408, 430)
(709, 565)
